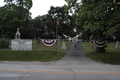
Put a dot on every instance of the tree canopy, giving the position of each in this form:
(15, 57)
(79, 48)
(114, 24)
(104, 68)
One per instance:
(46, 24)
(98, 16)
(13, 15)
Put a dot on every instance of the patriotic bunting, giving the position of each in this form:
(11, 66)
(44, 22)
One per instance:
(100, 43)
(49, 43)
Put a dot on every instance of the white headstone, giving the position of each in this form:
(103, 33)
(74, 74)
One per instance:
(63, 46)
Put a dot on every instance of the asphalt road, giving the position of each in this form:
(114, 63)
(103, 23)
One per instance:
(75, 65)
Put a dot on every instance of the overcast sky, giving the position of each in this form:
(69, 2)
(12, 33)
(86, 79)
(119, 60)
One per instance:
(41, 7)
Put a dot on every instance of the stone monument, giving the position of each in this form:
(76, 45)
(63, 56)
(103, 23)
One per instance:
(17, 35)
(20, 44)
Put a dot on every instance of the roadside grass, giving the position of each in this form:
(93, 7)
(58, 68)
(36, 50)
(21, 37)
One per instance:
(39, 53)
(111, 56)
(43, 56)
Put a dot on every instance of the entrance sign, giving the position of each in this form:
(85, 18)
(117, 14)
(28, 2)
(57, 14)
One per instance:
(18, 44)
(100, 43)
(49, 42)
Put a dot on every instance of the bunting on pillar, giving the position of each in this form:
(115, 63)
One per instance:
(49, 43)
(100, 44)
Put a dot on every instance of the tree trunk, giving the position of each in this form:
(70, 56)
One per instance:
(100, 37)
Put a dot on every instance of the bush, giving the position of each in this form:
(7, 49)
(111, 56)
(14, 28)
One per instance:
(4, 43)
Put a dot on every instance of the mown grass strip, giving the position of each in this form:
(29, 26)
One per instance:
(39, 53)
(111, 56)
(43, 56)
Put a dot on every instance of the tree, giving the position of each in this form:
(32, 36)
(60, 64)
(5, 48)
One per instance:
(9, 22)
(30, 31)
(66, 21)
(13, 15)
(46, 24)
(101, 17)
(23, 7)
(98, 15)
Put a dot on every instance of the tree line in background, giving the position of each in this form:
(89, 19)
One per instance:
(91, 17)
(15, 14)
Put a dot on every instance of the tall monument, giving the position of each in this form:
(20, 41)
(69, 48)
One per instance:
(20, 44)
(17, 35)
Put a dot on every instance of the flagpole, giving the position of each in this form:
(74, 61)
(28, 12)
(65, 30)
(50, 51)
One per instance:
(57, 28)
(57, 37)
(56, 31)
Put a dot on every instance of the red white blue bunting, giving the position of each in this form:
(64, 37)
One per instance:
(100, 44)
(49, 42)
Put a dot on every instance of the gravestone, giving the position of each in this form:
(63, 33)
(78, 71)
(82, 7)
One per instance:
(63, 46)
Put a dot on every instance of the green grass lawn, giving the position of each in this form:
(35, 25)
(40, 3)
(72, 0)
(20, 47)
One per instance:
(111, 56)
(39, 53)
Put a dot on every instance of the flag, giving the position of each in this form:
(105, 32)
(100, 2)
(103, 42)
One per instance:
(49, 43)
(100, 43)
(57, 21)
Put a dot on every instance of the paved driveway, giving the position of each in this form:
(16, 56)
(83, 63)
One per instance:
(76, 56)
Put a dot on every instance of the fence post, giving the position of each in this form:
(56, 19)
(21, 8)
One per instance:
(113, 45)
(90, 46)
(117, 44)
(34, 40)
(9, 43)
(90, 42)
(58, 49)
